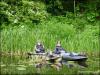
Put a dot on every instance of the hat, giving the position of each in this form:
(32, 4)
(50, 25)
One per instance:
(58, 43)
(38, 43)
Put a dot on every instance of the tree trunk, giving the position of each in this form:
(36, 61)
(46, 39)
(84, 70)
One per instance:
(74, 9)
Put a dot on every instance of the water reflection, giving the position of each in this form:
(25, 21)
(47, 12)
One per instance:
(21, 65)
(13, 63)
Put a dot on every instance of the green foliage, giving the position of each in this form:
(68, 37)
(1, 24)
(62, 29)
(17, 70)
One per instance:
(24, 22)
(72, 33)
(91, 16)
(34, 10)
(26, 11)
(17, 11)
(32, 18)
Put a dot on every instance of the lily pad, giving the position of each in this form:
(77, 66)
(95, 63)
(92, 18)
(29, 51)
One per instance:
(3, 65)
(12, 65)
(30, 64)
(21, 68)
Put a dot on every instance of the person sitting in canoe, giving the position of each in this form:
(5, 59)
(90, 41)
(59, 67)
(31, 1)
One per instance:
(59, 49)
(69, 56)
(39, 48)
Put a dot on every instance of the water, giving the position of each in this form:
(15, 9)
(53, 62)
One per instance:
(16, 65)
(21, 65)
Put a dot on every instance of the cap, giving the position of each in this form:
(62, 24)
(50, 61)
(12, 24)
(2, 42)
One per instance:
(58, 43)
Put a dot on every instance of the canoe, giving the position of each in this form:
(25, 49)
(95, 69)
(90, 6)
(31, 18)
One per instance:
(69, 57)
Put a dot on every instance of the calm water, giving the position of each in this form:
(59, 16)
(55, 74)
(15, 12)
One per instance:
(16, 65)
(21, 65)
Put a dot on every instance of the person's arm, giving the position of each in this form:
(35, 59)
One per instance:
(35, 49)
(62, 49)
(57, 51)
(42, 49)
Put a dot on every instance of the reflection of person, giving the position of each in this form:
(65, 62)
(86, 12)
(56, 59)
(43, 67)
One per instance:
(58, 48)
(54, 61)
(39, 48)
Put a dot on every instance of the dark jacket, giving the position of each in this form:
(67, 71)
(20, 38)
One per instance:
(58, 50)
(40, 49)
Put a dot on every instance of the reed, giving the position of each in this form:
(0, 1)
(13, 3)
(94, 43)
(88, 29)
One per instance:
(24, 37)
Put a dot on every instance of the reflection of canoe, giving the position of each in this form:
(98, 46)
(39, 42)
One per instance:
(74, 58)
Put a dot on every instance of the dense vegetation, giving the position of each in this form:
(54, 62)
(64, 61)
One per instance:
(74, 22)
(24, 22)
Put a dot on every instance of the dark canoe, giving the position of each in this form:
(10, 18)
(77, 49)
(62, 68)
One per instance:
(74, 58)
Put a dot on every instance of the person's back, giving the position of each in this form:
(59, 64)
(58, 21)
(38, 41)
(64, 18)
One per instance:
(58, 48)
(39, 48)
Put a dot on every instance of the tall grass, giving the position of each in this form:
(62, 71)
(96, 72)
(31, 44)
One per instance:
(24, 37)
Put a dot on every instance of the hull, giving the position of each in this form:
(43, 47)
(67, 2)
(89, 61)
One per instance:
(74, 58)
